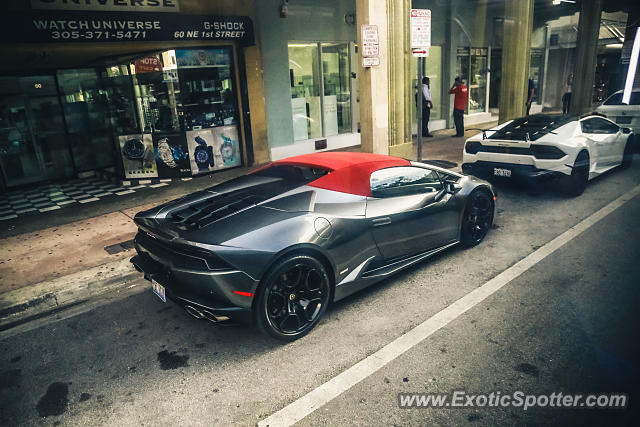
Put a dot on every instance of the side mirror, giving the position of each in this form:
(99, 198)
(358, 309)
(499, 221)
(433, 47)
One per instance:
(626, 130)
(452, 187)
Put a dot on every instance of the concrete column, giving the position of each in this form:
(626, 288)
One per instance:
(374, 82)
(586, 55)
(516, 55)
(408, 97)
(397, 74)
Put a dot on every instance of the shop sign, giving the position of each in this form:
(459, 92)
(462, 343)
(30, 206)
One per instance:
(420, 28)
(370, 46)
(109, 5)
(77, 27)
(148, 64)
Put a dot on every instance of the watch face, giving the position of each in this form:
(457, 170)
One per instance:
(133, 149)
(201, 155)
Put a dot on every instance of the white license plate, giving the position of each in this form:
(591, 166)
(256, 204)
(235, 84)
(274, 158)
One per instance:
(502, 172)
(158, 289)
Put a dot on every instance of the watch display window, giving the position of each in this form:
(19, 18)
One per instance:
(207, 89)
(157, 93)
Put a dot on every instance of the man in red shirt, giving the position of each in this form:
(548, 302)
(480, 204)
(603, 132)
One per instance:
(459, 104)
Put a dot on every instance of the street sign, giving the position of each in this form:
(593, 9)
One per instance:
(371, 62)
(370, 46)
(420, 28)
(420, 53)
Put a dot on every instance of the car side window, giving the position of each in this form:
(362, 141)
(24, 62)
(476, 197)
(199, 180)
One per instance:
(404, 180)
(597, 125)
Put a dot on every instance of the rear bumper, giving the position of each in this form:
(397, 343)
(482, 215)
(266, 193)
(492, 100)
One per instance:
(486, 170)
(202, 289)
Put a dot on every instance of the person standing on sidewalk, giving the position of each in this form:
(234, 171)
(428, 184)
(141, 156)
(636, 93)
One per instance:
(426, 107)
(459, 104)
(531, 90)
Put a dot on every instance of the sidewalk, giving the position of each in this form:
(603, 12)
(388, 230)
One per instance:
(57, 259)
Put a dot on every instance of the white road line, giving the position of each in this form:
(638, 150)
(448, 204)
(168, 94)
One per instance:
(316, 398)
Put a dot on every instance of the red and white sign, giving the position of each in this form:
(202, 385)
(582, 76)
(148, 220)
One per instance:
(147, 64)
(370, 46)
(371, 62)
(420, 28)
(420, 53)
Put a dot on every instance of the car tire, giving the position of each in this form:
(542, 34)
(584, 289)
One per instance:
(292, 297)
(576, 182)
(477, 218)
(627, 156)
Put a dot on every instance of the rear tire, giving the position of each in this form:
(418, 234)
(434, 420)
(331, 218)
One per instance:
(477, 219)
(292, 298)
(577, 181)
(627, 156)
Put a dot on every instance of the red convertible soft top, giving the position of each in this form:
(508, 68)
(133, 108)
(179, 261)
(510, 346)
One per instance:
(350, 172)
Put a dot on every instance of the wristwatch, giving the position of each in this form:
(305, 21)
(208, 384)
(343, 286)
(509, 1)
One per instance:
(165, 153)
(133, 149)
(203, 155)
(227, 150)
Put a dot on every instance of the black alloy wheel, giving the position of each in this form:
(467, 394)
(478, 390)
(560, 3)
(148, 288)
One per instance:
(577, 181)
(627, 156)
(293, 297)
(478, 218)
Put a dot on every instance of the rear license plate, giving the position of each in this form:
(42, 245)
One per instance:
(158, 289)
(623, 120)
(502, 172)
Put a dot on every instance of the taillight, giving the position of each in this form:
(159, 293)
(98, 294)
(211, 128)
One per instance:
(546, 152)
(472, 147)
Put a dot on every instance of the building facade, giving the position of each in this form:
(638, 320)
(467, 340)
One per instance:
(171, 89)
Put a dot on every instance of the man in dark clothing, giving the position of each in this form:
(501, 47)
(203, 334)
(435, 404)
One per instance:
(459, 104)
(426, 107)
(530, 93)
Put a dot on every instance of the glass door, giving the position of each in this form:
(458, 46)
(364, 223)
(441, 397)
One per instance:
(337, 88)
(32, 136)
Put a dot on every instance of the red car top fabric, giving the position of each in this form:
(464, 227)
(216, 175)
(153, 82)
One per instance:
(350, 172)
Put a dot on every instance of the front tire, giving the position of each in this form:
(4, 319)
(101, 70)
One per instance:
(477, 219)
(292, 298)
(577, 181)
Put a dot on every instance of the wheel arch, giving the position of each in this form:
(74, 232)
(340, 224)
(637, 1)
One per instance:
(303, 249)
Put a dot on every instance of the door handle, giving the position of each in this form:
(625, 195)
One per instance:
(381, 221)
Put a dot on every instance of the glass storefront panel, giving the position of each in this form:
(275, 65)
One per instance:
(472, 67)
(433, 70)
(304, 74)
(32, 138)
(86, 110)
(478, 65)
(337, 88)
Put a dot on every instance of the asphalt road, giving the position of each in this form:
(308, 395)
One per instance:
(566, 324)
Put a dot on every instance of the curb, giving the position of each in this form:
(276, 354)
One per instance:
(51, 296)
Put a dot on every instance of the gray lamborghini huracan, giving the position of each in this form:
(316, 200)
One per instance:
(276, 246)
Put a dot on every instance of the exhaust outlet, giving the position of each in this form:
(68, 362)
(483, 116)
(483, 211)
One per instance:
(194, 312)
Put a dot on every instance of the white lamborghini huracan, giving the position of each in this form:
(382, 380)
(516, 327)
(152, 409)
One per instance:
(543, 146)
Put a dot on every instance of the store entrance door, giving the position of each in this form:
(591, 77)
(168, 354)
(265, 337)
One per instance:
(33, 143)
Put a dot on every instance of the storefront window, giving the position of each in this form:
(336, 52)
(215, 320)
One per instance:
(314, 69)
(187, 112)
(472, 67)
(32, 139)
(304, 74)
(337, 89)
(86, 110)
(433, 70)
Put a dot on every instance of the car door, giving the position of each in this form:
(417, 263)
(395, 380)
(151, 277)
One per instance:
(605, 140)
(409, 211)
